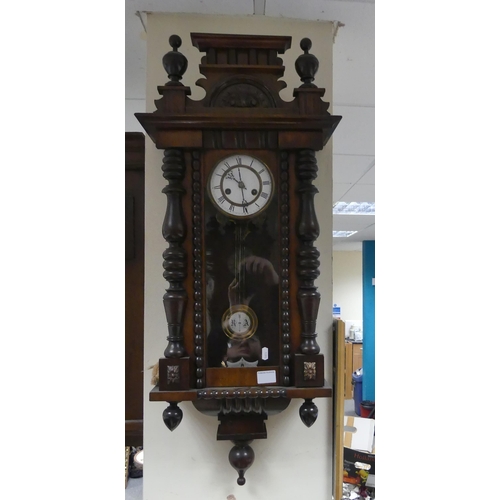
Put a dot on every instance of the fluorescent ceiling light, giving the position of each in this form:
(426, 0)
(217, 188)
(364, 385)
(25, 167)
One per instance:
(354, 208)
(343, 234)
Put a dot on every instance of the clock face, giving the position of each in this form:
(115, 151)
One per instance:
(241, 186)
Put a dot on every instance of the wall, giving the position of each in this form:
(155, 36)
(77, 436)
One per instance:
(134, 106)
(347, 283)
(368, 321)
(189, 463)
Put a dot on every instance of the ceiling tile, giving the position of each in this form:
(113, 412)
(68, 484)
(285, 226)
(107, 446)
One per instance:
(358, 192)
(352, 222)
(355, 133)
(369, 177)
(339, 190)
(349, 169)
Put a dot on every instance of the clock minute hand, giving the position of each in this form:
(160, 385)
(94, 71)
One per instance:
(241, 184)
(243, 197)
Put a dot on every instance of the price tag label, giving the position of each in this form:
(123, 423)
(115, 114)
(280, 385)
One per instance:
(266, 377)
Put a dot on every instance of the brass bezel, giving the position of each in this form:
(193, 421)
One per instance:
(235, 309)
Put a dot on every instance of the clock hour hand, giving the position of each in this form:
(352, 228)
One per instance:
(231, 176)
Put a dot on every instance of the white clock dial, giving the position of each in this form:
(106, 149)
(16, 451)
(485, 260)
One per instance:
(241, 186)
(239, 322)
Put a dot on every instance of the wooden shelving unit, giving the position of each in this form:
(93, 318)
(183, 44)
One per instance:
(353, 361)
(338, 407)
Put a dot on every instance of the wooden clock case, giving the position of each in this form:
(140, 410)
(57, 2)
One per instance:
(242, 111)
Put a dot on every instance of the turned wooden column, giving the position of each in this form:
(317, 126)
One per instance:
(309, 363)
(174, 257)
(308, 296)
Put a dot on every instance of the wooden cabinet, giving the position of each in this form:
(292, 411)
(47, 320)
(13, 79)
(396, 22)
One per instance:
(357, 356)
(134, 287)
(353, 361)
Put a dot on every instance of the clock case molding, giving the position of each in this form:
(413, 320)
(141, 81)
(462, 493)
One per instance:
(242, 111)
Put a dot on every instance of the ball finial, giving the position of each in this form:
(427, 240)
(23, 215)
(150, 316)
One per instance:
(305, 45)
(306, 64)
(175, 42)
(174, 62)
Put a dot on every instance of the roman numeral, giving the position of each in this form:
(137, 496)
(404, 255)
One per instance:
(266, 183)
(264, 195)
(231, 208)
(221, 199)
(238, 160)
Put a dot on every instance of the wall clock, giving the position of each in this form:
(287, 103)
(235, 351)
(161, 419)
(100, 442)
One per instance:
(240, 223)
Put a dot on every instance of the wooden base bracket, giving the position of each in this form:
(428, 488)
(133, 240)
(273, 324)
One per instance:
(242, 427)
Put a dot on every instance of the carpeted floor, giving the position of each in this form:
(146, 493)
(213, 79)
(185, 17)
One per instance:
(133, 491)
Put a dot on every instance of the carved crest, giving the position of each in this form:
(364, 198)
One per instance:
(242, 95)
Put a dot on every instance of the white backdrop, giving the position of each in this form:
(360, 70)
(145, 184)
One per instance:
(189, 463)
